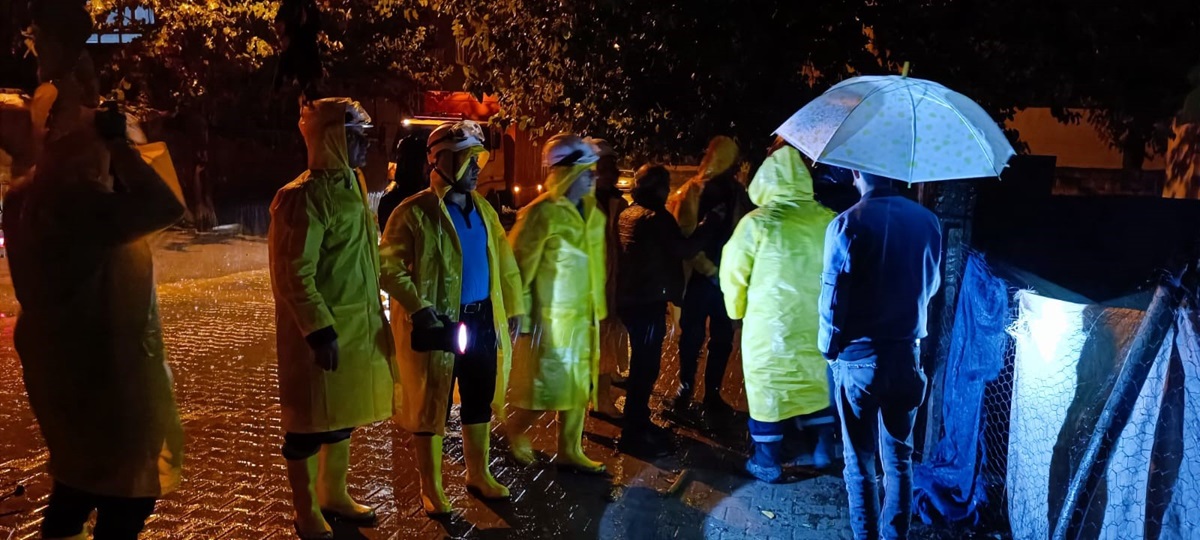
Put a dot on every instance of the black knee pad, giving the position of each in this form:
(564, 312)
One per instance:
(299, 446)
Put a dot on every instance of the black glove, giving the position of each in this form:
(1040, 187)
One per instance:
(442, 337)
(325, 348)
(110, 122)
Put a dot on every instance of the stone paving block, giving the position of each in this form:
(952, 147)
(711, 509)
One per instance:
(220, 339)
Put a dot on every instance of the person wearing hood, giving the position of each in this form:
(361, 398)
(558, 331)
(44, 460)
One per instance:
(770, 270)
(614, 342)
(703, 308)
(650, 274)
(559, 244)
(447, 265)
(89, 336)
(334, 345)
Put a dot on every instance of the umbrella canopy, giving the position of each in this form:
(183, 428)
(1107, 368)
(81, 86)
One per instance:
(899, 127)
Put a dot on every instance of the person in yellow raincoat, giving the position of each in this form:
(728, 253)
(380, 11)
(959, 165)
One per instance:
(89, 335)
(771, 277)
(559, 244)
(335, 347)
(445, 260)
(703, 310)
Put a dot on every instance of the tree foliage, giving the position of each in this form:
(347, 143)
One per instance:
(1125, 63)
(218, 57)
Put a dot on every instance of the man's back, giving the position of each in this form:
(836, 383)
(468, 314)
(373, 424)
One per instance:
(882, 266)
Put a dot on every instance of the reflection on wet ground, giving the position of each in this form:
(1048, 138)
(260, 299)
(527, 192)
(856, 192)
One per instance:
(220, 338)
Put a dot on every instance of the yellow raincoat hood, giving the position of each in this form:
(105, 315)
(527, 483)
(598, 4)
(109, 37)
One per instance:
(782, 177)
(721, 154)
(323, 125)
(771, 265)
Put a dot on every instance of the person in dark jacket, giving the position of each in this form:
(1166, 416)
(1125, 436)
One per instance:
(882, 266)
(650, 274)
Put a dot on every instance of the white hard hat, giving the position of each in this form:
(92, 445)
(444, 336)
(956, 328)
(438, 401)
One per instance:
(566, 149)
(455, 137)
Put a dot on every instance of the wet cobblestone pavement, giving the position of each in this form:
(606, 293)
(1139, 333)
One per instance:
(220, 339)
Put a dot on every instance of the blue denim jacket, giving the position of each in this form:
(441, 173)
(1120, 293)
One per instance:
(882, 266)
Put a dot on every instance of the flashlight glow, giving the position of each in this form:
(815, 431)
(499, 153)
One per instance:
(462, 338)
(540, 187)
(516, 189)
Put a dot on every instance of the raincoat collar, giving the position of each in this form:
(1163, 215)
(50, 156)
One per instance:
(782, 177)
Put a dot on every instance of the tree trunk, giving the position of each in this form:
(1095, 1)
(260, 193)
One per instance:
(1133, 153)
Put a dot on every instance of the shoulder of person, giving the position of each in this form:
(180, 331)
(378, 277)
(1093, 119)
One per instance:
(300, 188)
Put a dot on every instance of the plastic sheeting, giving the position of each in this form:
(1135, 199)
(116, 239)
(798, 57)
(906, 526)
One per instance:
(948, 485)
(1067, 357)
(1183, 503)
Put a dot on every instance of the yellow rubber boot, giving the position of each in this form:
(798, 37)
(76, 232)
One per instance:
(334, 498)
(477, 442)
(520, 421)
(302, 474)
(570, 443)
(428, 449)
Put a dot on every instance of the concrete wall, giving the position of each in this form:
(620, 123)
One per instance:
(1077, 146)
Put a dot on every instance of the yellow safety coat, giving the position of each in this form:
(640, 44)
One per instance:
(422, 267)
(771, 277)
(561, 256)
(89, 335)
(324, 257)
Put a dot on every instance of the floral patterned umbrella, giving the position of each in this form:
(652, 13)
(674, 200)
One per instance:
(908, 129)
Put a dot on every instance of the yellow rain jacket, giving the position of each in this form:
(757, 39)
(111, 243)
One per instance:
(89, 335)
(561, 256)
(325, 272)
(422, 267)
(684, 204)
(771, 277)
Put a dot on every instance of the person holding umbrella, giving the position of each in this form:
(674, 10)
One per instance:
(882, 264)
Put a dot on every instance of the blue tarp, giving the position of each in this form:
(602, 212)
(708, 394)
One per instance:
(947, 487)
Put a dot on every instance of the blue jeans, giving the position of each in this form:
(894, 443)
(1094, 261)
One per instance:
(879, 388)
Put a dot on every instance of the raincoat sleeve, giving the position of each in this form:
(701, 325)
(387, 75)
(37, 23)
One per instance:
(834, 301)
(528, 238)
(396, 258)
(737, 263)
(299, 234)
(146, 205)
(510, 274)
